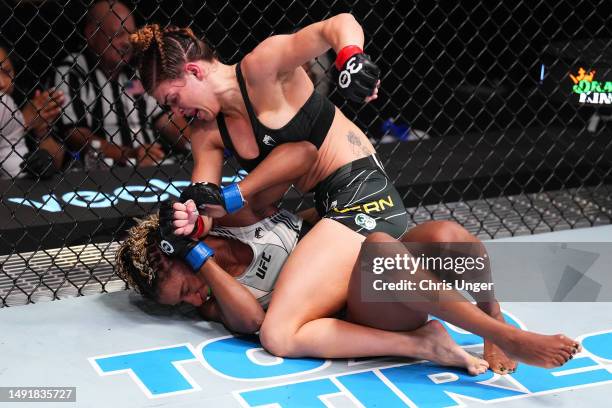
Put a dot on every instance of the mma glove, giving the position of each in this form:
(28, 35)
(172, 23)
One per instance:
(209, 194)
(357, 74)
(195, 253)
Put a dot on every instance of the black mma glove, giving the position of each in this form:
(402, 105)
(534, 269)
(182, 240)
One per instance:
(209, 194)
(357, 74)
(203, 194)
(195, 253)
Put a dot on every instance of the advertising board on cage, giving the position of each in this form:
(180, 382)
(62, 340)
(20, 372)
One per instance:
(589, 90)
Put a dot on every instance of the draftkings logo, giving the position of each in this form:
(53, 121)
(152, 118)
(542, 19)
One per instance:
(589, 90)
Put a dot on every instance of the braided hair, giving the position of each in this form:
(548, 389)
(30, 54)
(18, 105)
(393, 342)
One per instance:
(162, 53)
(140, 262)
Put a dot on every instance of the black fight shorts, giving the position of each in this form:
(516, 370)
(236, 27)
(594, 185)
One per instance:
(361, 196)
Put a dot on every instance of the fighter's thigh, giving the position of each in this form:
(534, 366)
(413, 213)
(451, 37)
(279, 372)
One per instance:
(392, 315)
(385, 316)
(314, 281)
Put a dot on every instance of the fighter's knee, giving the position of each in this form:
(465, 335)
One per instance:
(446, 231)
(309, 151)
(277, 341)
(379, 237)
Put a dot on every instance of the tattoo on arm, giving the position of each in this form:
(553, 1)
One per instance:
(356, 144)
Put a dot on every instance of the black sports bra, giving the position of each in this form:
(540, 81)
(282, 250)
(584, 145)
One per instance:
(311, 123)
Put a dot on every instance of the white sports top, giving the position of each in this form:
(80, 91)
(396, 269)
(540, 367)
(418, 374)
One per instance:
(272, 240)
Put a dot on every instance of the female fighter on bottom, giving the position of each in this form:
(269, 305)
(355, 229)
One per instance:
(235, 285)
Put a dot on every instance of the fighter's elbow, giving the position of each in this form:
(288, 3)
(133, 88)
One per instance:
(342, 21)
(248, 326)
(346, 18)
(255, 324)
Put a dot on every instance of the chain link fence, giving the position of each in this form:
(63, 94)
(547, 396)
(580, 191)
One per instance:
(493, 114)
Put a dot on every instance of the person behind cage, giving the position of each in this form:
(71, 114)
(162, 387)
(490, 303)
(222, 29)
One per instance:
(104, 99)
(265, 102)
(235, 287)
(33, 120)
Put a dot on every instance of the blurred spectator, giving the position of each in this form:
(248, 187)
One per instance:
(12, 144)
(105, 101)
(35, 120)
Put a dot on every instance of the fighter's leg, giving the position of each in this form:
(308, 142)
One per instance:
(448, 231)
(531, 348)
(312, 286)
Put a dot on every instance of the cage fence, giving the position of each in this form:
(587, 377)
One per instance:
(491, 114)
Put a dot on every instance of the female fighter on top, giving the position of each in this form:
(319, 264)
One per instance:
(257, 107)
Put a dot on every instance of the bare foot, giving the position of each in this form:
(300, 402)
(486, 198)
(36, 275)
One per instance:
(499, 362)
(540, 350)
(439, 347)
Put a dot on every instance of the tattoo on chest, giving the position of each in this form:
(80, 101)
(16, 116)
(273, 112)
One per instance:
(359, 149)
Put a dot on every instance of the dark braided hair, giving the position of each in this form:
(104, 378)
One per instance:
(140, 262)
(162, 53)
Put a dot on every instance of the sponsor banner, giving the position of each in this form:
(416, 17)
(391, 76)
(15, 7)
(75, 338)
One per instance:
(259, 379)
(590, 90)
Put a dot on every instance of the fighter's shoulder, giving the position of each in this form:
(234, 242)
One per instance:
(265, 62)
(206, 133)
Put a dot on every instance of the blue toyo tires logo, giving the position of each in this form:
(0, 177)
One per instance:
(159, 373)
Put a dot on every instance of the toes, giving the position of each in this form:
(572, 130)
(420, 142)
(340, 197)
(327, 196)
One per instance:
(571, 350)
(501, 371)
(479, 369)
(565, 354)
(569, 342)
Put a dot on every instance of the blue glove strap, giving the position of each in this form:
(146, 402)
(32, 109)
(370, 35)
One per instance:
(198, 255)
(232, 197)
